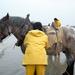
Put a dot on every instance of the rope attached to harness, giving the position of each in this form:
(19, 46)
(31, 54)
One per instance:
(64, 69)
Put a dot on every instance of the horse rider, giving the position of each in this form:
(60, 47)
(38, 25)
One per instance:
(56, 24)
(24, 31)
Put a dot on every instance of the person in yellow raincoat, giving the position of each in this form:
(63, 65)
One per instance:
(57, 22)
(36, 43)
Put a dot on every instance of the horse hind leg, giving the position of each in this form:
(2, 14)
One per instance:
(57, 57)
(69, 70)
(70, 63)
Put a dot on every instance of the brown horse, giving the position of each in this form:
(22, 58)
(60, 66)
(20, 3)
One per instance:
(14, 25)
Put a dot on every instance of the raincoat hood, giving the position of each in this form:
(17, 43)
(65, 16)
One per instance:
(36, 33)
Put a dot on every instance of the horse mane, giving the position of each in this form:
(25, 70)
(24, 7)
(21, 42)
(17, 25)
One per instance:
(17, 21)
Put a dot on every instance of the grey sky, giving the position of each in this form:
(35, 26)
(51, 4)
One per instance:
(40, 10)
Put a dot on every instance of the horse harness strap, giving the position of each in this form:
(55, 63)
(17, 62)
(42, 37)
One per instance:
(57, 39)
(56, 30)
(24, 32)
(7, 28)
(3, 27)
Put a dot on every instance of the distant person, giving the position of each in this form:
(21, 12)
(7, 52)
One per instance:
(56, 24)
(36, 43)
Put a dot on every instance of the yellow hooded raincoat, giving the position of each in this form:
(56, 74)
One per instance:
(58, 24)
(36, 43)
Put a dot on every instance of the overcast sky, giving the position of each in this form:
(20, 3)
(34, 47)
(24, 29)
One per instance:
(40, 10)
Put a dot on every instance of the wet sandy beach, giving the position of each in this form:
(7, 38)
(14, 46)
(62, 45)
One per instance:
(10, 62)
